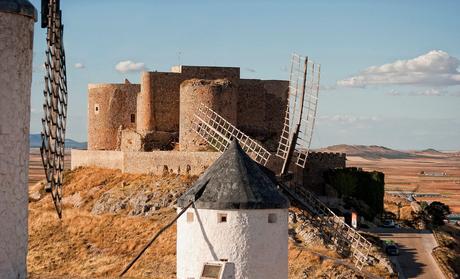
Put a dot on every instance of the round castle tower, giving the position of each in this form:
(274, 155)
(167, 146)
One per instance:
(238, 227)
(17, 29)
(219, 95)
(109, 107)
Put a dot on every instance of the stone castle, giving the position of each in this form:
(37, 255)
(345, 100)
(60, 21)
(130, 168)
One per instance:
(146, 127)
(156, 113)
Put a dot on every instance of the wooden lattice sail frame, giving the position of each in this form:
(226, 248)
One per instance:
(301, 108)
(55, 103)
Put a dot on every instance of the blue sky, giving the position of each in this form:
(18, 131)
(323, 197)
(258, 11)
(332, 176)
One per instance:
(367, 97)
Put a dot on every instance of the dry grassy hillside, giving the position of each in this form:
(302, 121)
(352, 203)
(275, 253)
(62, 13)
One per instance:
(108, 217)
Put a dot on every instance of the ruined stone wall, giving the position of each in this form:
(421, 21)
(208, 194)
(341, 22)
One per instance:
(261, 109)
(155, 162)
(311, 176)
(219, 95)
(110, 106)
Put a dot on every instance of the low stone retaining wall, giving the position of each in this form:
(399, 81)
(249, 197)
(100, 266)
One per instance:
(155, 162)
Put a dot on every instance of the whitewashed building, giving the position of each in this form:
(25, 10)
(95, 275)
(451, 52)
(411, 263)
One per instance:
(17, 18)
(238, 227)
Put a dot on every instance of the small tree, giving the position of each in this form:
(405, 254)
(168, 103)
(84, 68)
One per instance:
(437, 212)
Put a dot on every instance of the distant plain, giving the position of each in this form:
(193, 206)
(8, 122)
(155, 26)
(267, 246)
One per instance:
(402, 170)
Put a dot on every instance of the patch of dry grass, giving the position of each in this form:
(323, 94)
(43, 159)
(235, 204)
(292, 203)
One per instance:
(99, 246)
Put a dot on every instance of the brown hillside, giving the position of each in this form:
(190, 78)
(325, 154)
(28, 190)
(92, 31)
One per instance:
(109, 216)
(368, 152)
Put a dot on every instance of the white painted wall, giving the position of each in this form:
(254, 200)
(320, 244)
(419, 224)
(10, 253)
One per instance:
(16, 34)
(259, 249)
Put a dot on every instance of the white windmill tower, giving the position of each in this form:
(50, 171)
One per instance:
(237, 228)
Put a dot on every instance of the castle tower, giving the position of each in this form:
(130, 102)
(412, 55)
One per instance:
(145, 117)
(110, 106)
(17, 19)
(238, 226)
(220, 95)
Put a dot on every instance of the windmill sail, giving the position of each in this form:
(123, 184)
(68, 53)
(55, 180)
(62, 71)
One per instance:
(301, 110)
(219, 133)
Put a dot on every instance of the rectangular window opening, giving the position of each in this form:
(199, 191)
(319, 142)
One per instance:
(133, 118)
(272, 218)
(222, 217)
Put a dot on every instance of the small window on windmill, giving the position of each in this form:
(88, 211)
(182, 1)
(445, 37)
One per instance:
(222, 218)
(96, 108)
(271, 218)
(211, 271)
(133, 118)
(190, 217)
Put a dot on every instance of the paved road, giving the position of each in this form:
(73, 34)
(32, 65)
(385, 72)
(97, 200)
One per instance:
(415, 259)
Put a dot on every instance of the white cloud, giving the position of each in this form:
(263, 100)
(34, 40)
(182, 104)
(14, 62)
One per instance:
(79, 66)
(250, 70)
(347, 118)
(428, 92)
(435, 68)
(327, 87)
(393, 93)
(130, 66)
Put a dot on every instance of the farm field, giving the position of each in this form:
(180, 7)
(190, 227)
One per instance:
(36, 172)
(405, 175)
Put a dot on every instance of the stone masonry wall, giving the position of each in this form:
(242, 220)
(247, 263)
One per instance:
(155, 162)
(311, 176)
(155, 105)
(219, 95)
(109, 107)
(261, 109)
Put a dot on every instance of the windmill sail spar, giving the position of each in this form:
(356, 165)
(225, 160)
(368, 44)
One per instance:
(301, 109)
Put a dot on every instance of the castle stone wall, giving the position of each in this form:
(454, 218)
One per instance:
(110, 106)
(208, 72)
(155, 162)
(161, 162)
(251, 108)
(160, 94)
(165, 87)
(219, 95)
(156, 106)
(108, 159)
(275, 105)
(145, 119)
(311, 177)
(261, 109)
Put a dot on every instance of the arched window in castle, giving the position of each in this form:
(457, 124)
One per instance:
(96, 108)
(133, 118)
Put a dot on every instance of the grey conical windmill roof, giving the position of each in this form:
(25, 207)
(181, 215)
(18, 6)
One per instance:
(235, 181)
